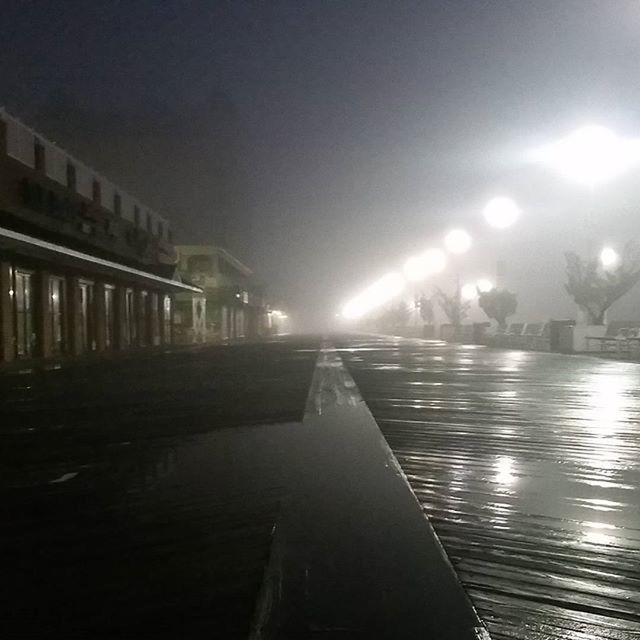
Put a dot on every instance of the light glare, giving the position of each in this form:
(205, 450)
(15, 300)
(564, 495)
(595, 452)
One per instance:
(374, 296)
(609, 257)
(435, 260)
(469, 292)
(484, 285)
(501, 213)
(419, 267)
(457, 241)
(415, 269)
(591, 155)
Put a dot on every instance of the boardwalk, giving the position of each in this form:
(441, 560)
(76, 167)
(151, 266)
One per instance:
(528, 466)
(206, 492)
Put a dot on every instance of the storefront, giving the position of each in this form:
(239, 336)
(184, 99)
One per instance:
(56, 301)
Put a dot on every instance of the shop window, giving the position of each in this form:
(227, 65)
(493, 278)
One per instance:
(23, 313)
(130, 332)
(166, 319)
(117, 204)
(56, 314)
(154, 319)
(86, 316)
(109, 316)
(136, 215)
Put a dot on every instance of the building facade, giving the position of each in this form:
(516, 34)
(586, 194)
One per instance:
(234, 306)
(84, 267)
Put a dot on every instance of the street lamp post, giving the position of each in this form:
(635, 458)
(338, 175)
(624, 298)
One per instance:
(418, 268)
(501, 213)
(590, 156)
(457, 242)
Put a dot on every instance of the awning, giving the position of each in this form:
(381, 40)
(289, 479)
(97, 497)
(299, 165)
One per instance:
(41, 249)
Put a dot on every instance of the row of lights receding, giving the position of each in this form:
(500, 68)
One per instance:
(500, 213)
(591, 155)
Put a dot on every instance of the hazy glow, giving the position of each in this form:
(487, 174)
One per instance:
(504, 471)
(591, 155)
(469, 292)
(374, 296)
(419, 267)
(609, 257)
(484, 285)
(457, 241)
(594, 533)
(435, 259)
(501, 213)
(415, 269)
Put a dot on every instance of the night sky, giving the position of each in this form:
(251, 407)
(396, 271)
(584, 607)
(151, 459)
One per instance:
(339, 136)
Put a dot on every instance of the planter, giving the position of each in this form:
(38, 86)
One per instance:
(583, 331)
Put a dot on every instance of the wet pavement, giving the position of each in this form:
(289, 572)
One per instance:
(528, 466)
(353, 554)
(139, 496)
(212, 492)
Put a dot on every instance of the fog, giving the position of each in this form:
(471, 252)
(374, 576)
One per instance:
(325, 143)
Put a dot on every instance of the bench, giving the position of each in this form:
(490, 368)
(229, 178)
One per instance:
(622, 337)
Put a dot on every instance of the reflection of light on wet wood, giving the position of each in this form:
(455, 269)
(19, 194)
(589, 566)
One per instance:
(64, 477)
(528, 465)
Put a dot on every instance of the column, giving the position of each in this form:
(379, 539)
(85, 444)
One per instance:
(73, 315)
(120, 317)
(42, 315)
(152, 318)
(160, 312)
(7, 329)
(100, 317)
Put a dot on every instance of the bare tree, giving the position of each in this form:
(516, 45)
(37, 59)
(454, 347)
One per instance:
(426, 309)
(394, 316)
(454, 307)
(594, 288)
(498, 305)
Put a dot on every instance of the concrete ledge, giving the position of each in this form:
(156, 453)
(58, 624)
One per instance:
(353, 554)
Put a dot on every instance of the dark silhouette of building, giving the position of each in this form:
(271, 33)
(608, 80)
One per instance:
(84, 266)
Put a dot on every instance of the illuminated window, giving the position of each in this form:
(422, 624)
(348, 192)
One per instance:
(166, 310)
(23, 308)
(109, 316)
(56, 309)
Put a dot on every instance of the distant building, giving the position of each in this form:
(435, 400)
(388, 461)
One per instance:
(235, 306)
(83, 265)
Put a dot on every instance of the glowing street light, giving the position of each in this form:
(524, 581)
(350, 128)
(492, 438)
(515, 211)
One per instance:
(591, 155)
(417, 268)
(609, 258)
(457, 241)
(374, 296)
(484, 285)
(435, 260)
(501, 212)
(469, 292)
